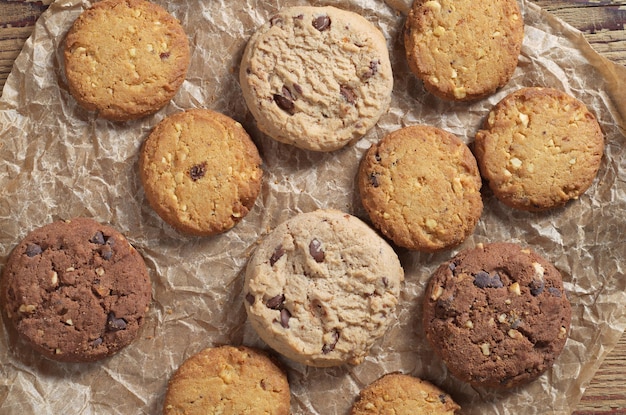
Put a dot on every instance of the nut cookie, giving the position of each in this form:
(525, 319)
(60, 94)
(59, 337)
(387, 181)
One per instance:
(201, 171)
(125, 59)
(463, 50)
(497, 315)
(228, 380)
(400, 394)
(539, 148)
(75, 290)
(322, 287)
(420, 186)
(316, 77)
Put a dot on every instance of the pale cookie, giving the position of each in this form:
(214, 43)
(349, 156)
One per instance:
(201, 171)
(400, 394)
(316, 77)
(539, 148)
(420, 186)
(463, 50)
(125, 59)
(228, 380)
(497, 315)
(322, 287)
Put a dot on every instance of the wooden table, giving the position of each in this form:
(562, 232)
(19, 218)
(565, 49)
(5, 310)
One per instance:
(602, 21)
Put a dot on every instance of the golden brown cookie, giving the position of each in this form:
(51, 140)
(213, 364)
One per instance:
(421, 187)
(539, 148)
(400, 394)
(228, 380)
(125, 59)
(463, 49)
(201, 171)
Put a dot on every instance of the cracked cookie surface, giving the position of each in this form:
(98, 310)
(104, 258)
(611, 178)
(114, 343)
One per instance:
(201, 171)
(322, 287)
(316, 77)
(125, 59)
(421, 187)
(497, 315)
(76, 290)
(539, 148)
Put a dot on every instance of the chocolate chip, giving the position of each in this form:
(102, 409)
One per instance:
(33, 250)
(315, 249)
(250, 298)
(452, 266)
(285, 315)
(374, 179)
(442, 397)
(321, 23)
(298, 88)
(106, 252)
(97, 342)
(114, 323)
(385, 282)
(327, 348)
(287, 93)
(555, 292)
(348, 93)
(371, 70)
(98, 238)
(197, 172)
(536, 288)
(164, 55)
(276, 303)
(278, 253)
(482, 279)
(285, 104)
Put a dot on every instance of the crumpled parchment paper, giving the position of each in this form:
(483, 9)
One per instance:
(59, 161)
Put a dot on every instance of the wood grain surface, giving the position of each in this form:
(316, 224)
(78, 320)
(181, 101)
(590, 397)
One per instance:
(603, 23)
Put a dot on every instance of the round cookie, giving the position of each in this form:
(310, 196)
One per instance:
(230, 381)
(201, 172)
(322, 287)
(316, 77)
(400, 394)
(125, 59)
(76, 290)
(463, 50)
(539, 148)
(497, 315)
(420, 186)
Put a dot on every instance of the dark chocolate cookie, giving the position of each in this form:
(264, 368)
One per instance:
(76, 290)
(497, 315)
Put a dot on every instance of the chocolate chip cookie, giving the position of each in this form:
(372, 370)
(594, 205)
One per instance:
(322, 287)
(497, 315)
(316, 77)
(539, 148)
(76, 290)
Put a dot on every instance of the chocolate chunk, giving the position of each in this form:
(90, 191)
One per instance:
(555, 292)
(276, 303)
(278, 253)
(98, 238)
(197, 172)
(483, 280)
(33, 250)
(106, 252)
(327, 348)
(287, 93)
(164, 55)
(374, 179)
(250, 298)
(321, 23)
(348, 93)
(285, 104)
(285, 315)
(371, 70)
(315, 249)
(536, 288)
(114, 323)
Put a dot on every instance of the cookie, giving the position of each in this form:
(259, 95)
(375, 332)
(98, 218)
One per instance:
(76, 290)
(322, 287)
(463, 50)
(230, 381)
(539, 148)
(201, 171)
(316, 77)
(497, 315)
(421, 187)
(125, 59)
(400, 394)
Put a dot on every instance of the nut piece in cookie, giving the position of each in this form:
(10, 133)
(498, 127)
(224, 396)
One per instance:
(75, 290)
(125, 59)
(420, 186)
(497, 315)
(463, 50)
(316, 77)
(539, 148)
(322, 287)
(201, 171)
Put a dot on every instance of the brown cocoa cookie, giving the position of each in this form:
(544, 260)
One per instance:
(76, 290)
(125, 59)
(400, 394)
(201, 171)
(463, 49)
(539, 148)
(420, 186)
(497, 315)
(228, 380)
